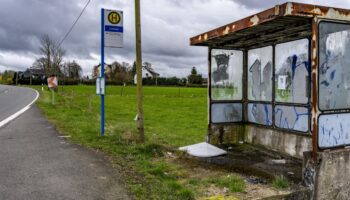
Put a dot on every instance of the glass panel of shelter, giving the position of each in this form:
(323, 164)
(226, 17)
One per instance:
(334, 84)
(226, 112)
(292, 72)
(334, 70)
(292, 85)
(226, 85)
(260, 74)
(259, 69)
(292, 66)
(226, 74)
(260, 113)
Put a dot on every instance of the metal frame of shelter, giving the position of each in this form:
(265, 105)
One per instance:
(286, 22)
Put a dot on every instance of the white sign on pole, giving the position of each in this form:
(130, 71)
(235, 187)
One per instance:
(100, 86)
(282, 82)
(103, 86)
(113, 28)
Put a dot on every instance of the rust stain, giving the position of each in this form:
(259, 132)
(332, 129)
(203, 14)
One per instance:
(235, 26)
(277, 10)
(337, 14)
(314, 102)
(286, 9)
(205, 36)
(226, 31)
(289, 8)
(254, 20)
(316, 11)
(300, 9)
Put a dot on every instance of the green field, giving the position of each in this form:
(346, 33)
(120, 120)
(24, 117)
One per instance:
(173, 117)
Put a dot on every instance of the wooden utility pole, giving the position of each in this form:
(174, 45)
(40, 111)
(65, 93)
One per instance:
(139, 122)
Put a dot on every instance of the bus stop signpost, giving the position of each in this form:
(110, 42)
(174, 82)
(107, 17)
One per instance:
(111, 36)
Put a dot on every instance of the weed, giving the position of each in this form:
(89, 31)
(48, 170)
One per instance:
(232, 182)
(186, 194)
(193, 181)
(151, 150)
(280, 182)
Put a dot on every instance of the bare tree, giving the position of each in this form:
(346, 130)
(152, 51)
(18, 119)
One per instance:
(72, 70)
(51, 57)
(95, 71)
(39, 63)
(121, 72)
(97, 68)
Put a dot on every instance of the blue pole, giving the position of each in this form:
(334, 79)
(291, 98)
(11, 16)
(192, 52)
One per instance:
(102, 73)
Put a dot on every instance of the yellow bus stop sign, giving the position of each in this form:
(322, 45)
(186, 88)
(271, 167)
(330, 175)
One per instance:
(114, 17)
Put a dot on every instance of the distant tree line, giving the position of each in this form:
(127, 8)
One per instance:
(164, 81)
(6, 77)
(51, 63)
(119, 73)
(194, 77)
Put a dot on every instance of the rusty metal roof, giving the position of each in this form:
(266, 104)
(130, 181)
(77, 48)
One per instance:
(286, 21)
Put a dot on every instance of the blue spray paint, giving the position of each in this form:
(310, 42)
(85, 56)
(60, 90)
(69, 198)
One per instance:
(267, 115)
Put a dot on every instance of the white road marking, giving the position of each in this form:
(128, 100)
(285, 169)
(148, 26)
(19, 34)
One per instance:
(4, 91)
(18, 113)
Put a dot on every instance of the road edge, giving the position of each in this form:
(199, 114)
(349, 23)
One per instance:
(21, 111)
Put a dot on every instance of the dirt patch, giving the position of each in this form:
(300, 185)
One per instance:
(250, 160)
(254, 166)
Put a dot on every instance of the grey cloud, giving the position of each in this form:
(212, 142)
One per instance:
(24, 21)
(166, 29)
(259, 4)
(263, 4)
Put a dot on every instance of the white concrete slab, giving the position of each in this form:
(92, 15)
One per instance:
(203, 150)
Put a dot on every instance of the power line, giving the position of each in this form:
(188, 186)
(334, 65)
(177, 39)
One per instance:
(71, 28)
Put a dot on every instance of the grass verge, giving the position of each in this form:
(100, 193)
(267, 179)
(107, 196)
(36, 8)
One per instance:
(173, 117)
(232, 182)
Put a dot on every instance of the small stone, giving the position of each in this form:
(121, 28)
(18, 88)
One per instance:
(225, 190)
(281, 161)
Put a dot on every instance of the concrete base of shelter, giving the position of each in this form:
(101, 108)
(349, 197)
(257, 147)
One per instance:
(328, 175)
(281, 141)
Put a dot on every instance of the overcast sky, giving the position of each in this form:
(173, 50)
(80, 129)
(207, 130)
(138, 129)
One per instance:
(167, 26)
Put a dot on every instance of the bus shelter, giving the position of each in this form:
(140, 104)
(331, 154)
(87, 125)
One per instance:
(281, 79)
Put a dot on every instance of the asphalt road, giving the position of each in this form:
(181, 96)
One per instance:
(36, 163)
(13, 99)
